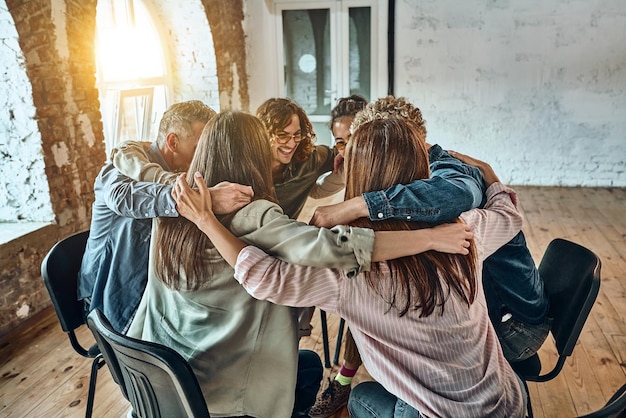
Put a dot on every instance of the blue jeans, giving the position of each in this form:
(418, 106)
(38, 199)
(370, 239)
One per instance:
(370, 399)
(308, 383)
(519, 340)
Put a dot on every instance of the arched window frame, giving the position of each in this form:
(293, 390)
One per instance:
(131, 107)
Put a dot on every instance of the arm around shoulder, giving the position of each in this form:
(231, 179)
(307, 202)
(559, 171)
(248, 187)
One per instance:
(131, 159)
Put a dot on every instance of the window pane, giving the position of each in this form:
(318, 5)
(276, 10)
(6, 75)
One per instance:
(306, 40)
(130, 62)
(360, 51)
(135, 111)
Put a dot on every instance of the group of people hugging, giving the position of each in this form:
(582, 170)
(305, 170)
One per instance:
(195, 244)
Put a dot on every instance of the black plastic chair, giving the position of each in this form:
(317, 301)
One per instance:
(157, 380)
(571, 275)
(59, 270)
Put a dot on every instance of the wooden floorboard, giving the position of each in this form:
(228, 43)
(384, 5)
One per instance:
(41, 376)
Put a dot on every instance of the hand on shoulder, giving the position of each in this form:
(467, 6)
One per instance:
(489, 175)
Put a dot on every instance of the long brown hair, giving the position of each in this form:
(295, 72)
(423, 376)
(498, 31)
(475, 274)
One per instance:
(380, 154)
(276, 115)
(233, 147)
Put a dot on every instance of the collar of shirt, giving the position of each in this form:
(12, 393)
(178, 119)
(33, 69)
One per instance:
(154, 155)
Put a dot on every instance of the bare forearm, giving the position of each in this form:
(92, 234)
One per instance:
(453, 238)
(394, 244)
(341, 213)
(358, 207)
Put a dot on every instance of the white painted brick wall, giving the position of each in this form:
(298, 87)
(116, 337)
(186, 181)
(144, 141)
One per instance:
(186, 29)
(24, 193)
(537, 87)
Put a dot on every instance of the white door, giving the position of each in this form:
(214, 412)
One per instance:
(328, 50)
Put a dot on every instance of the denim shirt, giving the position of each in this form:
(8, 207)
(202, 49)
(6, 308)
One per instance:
(510, 278)
(114, 269)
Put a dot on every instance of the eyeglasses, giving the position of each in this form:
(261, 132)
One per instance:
(341, 145)
(284, 137)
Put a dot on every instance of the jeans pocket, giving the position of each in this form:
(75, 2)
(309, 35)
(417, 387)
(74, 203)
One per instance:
(519, 340)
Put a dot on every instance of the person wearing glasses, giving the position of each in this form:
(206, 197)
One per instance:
(297, 162)
(341, 118)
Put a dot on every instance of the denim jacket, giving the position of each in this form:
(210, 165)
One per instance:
(511, 281)
(453, 188)
(114, 269)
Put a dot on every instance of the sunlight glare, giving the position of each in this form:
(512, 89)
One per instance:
(130, 52)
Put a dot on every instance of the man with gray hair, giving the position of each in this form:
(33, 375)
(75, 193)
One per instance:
(114, 269)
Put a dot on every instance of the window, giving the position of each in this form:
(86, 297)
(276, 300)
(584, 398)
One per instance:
(329, 50)
(133, 113)
(131, 71)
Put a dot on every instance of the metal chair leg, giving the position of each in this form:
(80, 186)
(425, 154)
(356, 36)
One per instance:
(325, 339)
(342, 324)
(96, 364)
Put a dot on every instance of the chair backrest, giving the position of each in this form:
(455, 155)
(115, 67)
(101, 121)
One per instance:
(158, 380)
(571, 275)
(59, 270)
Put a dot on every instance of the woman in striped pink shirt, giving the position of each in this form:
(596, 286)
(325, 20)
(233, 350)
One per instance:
(420, 322)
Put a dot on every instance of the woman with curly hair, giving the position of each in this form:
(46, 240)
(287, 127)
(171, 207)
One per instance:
(297, 162)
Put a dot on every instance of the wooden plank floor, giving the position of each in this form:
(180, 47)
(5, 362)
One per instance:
(41, 376)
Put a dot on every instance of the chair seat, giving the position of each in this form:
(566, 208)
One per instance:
(529, 367)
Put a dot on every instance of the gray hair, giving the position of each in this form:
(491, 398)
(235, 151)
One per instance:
(180, 117)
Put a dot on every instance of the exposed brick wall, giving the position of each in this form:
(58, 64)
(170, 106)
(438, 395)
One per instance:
(226, 21)
(23, 293)
(56, 39)
(59, 52)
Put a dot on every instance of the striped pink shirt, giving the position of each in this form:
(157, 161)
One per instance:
(448, 365)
